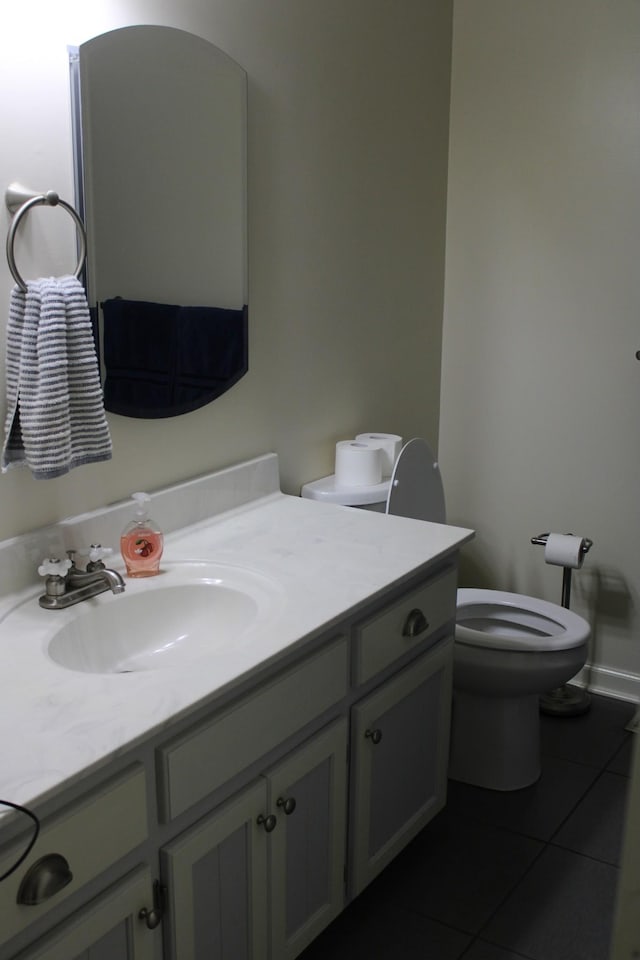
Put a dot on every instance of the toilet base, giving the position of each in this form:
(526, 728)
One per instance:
(495, 741)
(565, 701)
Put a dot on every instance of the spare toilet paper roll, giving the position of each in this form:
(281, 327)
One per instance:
(389, 443)
(358, 464)
(564, 550)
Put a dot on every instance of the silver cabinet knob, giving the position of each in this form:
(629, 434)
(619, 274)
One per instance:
(287, 805)
(374, 735)
(269, 823)
(153, 917)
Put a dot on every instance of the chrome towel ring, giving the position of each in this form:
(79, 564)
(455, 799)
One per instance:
(19, 201)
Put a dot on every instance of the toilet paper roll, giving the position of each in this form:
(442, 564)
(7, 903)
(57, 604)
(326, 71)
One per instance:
(564, 550)
(389, 443)
(358, 464)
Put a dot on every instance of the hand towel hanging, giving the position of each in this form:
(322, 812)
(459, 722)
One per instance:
(55, 412)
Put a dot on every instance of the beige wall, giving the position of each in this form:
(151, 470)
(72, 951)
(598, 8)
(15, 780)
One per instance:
(348, 135)
(540, 385)
(348, 115)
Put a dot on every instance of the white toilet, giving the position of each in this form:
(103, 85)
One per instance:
(509, 648)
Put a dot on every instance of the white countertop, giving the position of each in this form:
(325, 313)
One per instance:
(327, 560)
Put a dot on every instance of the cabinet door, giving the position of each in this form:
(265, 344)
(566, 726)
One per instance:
(216, 879)
(400, 750)
(108, 928)
(308, 795)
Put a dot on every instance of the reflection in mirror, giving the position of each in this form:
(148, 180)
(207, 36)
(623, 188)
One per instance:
(160, 135)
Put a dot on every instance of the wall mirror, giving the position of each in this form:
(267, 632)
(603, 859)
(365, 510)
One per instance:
(159, 122)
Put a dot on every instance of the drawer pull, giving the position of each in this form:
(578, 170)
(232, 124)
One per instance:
(288, 805)
(44, 878)
(415, 624)
(269, 823)
(374, 735)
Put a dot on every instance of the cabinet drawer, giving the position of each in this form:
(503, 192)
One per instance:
(91, 835)
(206, 757)
(107, 927)
(393, 631)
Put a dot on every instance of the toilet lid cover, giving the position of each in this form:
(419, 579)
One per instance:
(416, 489)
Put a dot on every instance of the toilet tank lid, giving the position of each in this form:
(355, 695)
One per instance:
(416, 489)
(328, 490)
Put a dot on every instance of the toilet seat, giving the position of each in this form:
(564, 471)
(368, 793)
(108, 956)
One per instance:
(484, 618)
(511, 621)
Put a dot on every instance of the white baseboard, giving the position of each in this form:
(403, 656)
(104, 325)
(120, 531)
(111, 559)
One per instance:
(610, 683)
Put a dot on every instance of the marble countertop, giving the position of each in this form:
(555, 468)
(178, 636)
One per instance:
(327, 561)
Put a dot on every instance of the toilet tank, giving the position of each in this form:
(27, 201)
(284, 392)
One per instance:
(414, 489)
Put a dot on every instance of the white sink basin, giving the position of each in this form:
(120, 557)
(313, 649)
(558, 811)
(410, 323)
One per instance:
(188, 613)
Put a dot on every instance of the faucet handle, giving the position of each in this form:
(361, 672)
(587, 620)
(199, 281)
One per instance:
(95, 552)
(98, 552)
(95, 556)
(53, 567)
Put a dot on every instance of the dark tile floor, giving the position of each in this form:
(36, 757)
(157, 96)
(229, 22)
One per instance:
(505, 876)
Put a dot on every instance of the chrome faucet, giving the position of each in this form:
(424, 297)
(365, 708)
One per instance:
(65, 584)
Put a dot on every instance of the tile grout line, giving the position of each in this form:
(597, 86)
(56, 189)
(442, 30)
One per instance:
(478, 939)
(546, 844)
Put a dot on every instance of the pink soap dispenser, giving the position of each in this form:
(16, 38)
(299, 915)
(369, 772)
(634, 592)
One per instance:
(141, 542)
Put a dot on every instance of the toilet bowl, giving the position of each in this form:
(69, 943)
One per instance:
(509, 648)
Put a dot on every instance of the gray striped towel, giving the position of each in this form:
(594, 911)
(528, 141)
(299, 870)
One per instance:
(55, 412)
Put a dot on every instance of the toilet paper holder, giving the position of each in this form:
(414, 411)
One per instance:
(567, 700)
(543, 537)
(585, 546)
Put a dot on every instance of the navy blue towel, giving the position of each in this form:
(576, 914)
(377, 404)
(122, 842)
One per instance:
(162, 360)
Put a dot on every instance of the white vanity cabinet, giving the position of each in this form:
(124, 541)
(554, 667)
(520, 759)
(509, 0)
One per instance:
(264, 874)
(229, 805)
(250, 823)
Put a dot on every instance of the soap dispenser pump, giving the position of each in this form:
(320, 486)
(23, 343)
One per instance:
(141, 542)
